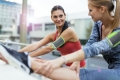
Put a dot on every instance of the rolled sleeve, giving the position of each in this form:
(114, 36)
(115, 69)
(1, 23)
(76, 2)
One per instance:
(96, 48)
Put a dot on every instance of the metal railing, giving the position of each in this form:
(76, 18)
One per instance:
(8, 42)
(13, 45)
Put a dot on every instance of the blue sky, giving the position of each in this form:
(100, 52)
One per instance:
(43, 7)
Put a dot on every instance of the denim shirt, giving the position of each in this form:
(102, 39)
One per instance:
(97, 46)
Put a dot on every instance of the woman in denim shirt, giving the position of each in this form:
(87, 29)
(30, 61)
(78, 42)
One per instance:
(99, 43)
(101, 12)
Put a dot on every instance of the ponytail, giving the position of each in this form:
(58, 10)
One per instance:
(116, 21)
(65, 26)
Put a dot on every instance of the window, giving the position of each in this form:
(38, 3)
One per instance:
(50, 26)
(37, 27)
(6, 32)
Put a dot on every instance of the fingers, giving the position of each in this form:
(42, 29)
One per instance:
(38, 70)
(50, 71)
(40, 60)
(71, 68)
(3, 59)
(77, 70)
(46, 70)
(43, 69)
(47, 67)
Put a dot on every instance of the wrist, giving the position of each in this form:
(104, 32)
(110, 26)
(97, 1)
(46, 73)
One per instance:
(76, 63)
(63, 60)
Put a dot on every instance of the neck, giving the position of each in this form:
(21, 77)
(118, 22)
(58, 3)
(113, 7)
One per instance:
(107, 21)
(59, 29)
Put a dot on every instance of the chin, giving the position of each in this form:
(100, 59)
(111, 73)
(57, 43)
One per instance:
(60, 25)
(95, 20)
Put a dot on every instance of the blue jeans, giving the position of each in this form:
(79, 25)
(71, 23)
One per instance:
(99, 74)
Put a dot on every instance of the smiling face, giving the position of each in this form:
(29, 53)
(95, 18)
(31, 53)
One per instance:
(94, 12)
(58, 17)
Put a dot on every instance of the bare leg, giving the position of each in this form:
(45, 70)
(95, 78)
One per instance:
(58, 74)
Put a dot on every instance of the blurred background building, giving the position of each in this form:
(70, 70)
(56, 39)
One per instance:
(81, 22)
(10, 18)
(40, 27)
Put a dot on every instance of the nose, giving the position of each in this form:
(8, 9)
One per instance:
(58, 18)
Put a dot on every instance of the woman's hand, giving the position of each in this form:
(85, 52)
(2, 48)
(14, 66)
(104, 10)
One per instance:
(3, 59)
(50, 65)
(75, 66)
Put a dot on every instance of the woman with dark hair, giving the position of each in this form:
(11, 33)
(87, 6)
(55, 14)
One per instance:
(64, 39)
(104, 39)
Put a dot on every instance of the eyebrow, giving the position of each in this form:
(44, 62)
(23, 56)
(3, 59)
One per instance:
(58, 15)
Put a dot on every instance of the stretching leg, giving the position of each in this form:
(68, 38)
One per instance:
(57, 74)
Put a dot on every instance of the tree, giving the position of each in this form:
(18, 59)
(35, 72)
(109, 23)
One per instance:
(89, 29)
(0, 28)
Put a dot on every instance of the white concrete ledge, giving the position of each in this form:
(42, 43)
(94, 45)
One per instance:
(8, 72)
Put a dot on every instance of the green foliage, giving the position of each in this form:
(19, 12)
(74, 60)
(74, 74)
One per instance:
(0, 28)
(89, 29)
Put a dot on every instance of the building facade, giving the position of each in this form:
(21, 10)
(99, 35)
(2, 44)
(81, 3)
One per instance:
(81, 23)
(10, 17)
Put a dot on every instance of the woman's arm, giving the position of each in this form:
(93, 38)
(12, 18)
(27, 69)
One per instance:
(92, 50)
(35, 46)
(64, 37)
(42, 51)
(88, 51)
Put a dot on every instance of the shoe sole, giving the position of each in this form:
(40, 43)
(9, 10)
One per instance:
(13, 61)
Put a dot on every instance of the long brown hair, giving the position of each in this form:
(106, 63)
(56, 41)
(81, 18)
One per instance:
(58, 7)
(110, 7)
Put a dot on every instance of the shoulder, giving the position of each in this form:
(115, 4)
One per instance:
(51, 35)
(69, 30)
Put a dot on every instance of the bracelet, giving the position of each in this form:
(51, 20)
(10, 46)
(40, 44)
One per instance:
(64, 59)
